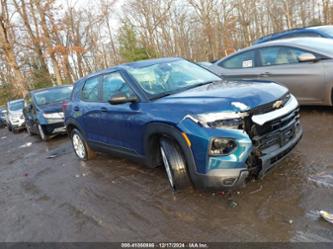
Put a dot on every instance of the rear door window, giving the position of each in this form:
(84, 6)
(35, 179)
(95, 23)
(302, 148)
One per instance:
(243, 60)
(90, 90)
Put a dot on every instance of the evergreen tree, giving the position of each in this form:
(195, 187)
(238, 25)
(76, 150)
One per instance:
(130, 49)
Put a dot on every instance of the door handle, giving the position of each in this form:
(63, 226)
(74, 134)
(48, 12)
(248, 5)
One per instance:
(265, 74)
(104, 109)
(76, 108)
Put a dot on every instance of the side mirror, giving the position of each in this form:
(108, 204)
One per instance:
(121, 98)
(307, 57)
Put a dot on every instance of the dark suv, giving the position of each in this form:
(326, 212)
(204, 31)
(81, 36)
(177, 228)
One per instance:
(316, 31)
(43, 111)
(213, 133)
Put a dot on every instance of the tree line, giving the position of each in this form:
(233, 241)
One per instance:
(53, 42)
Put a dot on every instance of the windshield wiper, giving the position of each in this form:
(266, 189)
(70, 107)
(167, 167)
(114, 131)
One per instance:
(161, 95)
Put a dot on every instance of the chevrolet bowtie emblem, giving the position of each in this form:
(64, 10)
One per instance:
(278, 104)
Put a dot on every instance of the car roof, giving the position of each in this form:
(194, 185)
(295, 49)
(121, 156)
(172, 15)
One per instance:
(136, 64)
(48, 88)
(314, 29)
(299, 42)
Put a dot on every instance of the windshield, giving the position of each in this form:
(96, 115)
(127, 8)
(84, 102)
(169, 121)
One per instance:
(171, 77)
(16, 106)
(51, 96)
(324, 46)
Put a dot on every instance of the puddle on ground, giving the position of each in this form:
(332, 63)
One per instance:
(323, 179)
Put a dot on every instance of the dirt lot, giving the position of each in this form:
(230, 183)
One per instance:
(110, 199)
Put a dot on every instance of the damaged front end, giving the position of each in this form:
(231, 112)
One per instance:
(246, 143)
(274, 130)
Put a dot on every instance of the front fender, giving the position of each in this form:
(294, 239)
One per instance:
(170, 130)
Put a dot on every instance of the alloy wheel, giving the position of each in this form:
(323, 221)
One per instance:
(79, 146)
(41, 132)
(167, 167)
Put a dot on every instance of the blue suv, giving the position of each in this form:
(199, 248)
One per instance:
(205, 131)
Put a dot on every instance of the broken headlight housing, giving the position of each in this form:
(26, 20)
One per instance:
(231, 120)
(235, 123)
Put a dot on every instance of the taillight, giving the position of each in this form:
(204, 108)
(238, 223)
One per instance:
(64, 105)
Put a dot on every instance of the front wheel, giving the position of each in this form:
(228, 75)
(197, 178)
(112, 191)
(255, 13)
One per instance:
(42, 134)
(175, 164)
(80, 146)
(9, 127)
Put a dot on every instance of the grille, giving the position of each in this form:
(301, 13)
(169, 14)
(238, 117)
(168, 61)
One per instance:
(279, 131)
(269, 107)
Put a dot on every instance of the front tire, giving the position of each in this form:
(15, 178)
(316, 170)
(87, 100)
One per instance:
(42, 134)
(175, 164)
(80, 146)
(9, 127)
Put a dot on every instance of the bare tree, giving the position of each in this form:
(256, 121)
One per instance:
(6, 42)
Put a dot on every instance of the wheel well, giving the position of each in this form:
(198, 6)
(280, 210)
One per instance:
(70, 128)
(154, 153)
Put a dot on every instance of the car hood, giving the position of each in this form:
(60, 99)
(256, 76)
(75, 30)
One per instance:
(222, 96)
(51, 108)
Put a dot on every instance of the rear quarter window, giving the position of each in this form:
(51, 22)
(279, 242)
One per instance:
(90, 90)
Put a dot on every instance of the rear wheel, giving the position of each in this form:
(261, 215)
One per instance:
(80, 146)
(175, 164)
(9, 127)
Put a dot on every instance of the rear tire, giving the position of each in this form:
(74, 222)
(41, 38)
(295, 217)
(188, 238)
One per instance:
(175, 164)
(80, 146)
(9, 127)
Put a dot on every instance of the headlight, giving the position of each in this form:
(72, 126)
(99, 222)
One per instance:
(231, 120)
(235, 123)
(55, 115)
(222, 146)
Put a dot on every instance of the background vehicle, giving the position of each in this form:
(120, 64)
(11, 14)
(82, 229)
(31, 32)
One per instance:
(304, 65)
(317, 31)
(3, 114)
(43, 111)
(169, 110)
(15, 119)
